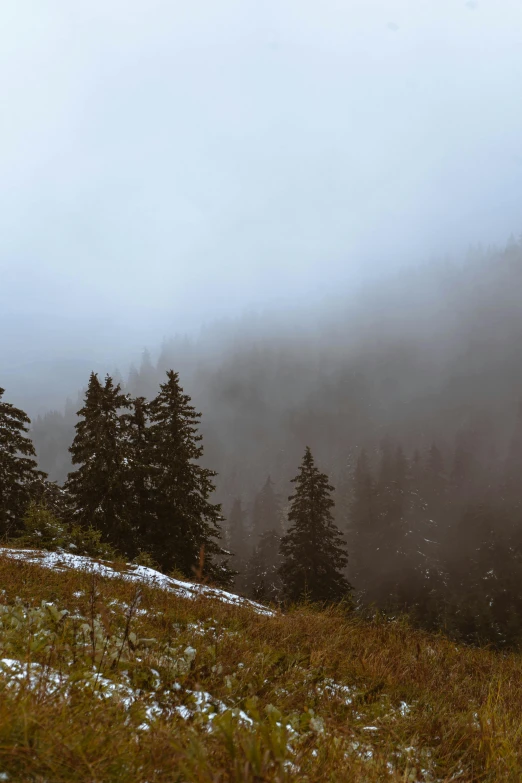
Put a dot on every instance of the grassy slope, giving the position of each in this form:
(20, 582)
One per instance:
(438, 711)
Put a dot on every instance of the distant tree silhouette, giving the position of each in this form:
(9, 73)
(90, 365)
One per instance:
(237, 542)
(266, 515)
(362, 528)
(263, 580)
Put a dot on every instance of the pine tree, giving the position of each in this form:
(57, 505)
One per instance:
(266, 515)
(18, 469)
(99, 486)
(391, 550)
(236, 538)
(313, 549)
(139, 472)
(186, 523)
(237, 542)
(263, 580)
(513, 467)
(362, 528)
(53, 497)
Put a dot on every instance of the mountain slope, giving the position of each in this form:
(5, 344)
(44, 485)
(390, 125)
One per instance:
(109, 679)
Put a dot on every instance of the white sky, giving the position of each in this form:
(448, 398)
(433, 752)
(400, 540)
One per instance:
(162, 163)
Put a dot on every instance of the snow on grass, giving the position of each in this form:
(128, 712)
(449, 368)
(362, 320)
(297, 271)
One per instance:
(63, 561)
(32, 675)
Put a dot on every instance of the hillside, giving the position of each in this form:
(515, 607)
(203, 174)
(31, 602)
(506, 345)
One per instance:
(112, 673)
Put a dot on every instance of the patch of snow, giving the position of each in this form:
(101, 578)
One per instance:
(33, 675)
(332, 688)
(63, 561)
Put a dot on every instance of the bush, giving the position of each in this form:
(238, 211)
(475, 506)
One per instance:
(42, 530)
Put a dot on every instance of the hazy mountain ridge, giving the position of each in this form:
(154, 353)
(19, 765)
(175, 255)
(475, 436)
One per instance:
(418, 357)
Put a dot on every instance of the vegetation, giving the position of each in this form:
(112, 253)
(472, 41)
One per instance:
(105, 682)
(186, 523)
(99, 486)
(313, 549)
(18, 468)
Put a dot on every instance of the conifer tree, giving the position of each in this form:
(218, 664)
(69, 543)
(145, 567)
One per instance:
(513, 466)
(236, 538)
(139, 472)
(363, 528)
(99, 486)
(391, 550)
(267, 511)
(313, 549)
(237, 542)
(18, 469)
(263, 580)
(51, 496)
(186, 523)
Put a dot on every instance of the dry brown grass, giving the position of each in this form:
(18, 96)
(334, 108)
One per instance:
(462, 720)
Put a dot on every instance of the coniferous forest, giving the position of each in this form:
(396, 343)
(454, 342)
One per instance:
(372, 456)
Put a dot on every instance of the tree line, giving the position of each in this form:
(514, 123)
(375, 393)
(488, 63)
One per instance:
(436, 534)
(139, 488)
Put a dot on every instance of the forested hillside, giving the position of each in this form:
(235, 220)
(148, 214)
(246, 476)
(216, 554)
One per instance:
(408, 394)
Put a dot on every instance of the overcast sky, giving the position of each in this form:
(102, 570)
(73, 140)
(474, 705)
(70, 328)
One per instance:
(165, 162)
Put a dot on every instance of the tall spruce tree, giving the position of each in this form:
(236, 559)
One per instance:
(391, 561)
(362, 529)
(139, 472)
(99, 487)
(313, 549)
(263, 579)
(266, 514)
(237, 542)
(236, 536)
(186, 523)
(18, 469)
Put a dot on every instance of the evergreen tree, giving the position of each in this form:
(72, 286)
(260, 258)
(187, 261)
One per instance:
(139, 472)
(99, 486)
(313, 549)
(237, 542)
(186, 523)
(362, 529)
(18, 469)
(512, 483)
(53, 497)
(484, 574)
(266, 515)
(263, 580)
(236, 537)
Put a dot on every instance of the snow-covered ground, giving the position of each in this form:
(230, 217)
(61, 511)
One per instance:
(64, 561)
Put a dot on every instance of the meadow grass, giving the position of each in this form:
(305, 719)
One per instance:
(105, 681)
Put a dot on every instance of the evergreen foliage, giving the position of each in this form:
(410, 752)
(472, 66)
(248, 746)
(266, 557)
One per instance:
(18, 468)
(362, 529)
(263, 580)
(266, 515)
(237, 543)
(313, 549)
(43, 530)
(186, 523)
(99, 487)
(236, 534)
(139, 473)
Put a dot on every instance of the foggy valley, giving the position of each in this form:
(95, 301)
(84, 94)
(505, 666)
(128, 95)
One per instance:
(261, 391)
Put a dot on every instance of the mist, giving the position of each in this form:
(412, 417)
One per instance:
(166, 165)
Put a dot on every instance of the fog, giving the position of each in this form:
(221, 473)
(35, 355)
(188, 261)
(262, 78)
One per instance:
(165, 164)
